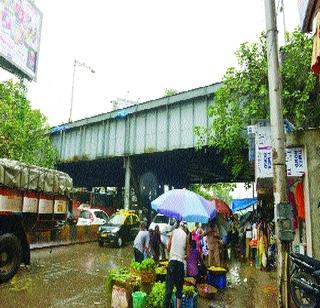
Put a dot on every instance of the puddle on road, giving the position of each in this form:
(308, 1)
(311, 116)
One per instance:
(233, 276)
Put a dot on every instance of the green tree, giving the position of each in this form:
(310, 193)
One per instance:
(23, 130)
(170, 92)
(243, 97)
(214, 191)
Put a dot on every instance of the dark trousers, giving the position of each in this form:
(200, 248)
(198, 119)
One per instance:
(156, 253)
(175, 277)
(138, 255)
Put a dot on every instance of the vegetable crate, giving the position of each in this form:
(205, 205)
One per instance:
(217, 277)
(206, 290)
(186, 301)
(217, 280)
(146, 277)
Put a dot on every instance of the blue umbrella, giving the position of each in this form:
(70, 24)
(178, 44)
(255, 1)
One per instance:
(183, 204)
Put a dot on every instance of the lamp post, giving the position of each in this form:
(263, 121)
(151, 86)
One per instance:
(76, 63)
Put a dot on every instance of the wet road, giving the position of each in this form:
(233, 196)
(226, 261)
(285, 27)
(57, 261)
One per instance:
(248, 287)
(69, 276)
(73, 276)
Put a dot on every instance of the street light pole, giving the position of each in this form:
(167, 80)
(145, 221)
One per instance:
(75, 63)
(72, 89)
(278, 145)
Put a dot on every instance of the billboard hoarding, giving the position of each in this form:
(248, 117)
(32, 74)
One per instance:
(20, 32)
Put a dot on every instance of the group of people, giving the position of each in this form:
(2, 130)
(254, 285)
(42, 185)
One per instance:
(187, 253)
(187, 250)
(207, 243)
(147, 243)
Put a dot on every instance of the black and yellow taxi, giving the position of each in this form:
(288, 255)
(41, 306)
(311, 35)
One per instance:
(123, 226)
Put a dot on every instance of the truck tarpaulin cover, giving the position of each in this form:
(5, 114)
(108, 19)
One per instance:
(18, 175)
(241, 204)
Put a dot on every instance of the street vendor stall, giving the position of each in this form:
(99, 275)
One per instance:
(137, 286)
(148, 288)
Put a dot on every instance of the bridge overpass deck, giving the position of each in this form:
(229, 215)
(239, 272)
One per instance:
(160, 125)
(153, 142)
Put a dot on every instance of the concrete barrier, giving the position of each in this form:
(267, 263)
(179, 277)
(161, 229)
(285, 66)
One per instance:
(67, 235)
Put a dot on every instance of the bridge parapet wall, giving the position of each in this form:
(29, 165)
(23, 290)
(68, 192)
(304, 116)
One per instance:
(68, 234)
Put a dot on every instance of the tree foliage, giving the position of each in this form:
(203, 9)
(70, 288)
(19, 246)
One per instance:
(243, 97)
(23, 130)
(214, 191)
(170, 92)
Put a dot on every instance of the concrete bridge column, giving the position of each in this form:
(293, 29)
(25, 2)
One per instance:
(127, 183)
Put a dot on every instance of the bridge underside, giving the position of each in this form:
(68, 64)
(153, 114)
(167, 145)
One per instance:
(178, 168)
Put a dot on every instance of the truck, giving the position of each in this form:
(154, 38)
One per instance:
(32, 199)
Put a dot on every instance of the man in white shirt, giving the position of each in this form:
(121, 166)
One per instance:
(178, 248)
(140, 244)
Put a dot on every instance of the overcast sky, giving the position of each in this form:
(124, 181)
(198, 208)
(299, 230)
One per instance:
(138, 48)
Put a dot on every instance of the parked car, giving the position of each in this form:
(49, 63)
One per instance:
(165, 223)
(122, 227)
(89, 217)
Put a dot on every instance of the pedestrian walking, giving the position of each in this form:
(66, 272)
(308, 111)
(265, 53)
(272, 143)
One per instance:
(140, 244)
(213, 243)
(178, 247)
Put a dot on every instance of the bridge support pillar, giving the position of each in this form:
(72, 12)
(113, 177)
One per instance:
(127, 183)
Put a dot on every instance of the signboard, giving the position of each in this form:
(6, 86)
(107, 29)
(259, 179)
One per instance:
(251, 143)
(295, 162)
(20, 31)
(263, 163)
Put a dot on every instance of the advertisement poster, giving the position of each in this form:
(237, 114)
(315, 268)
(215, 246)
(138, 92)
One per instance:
(263, 163)
(20, 32)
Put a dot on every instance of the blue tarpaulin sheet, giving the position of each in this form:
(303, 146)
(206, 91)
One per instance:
(58, 129)
(241, 204)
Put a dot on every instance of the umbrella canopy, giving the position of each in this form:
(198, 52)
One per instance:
(222, 207)
(183, 204)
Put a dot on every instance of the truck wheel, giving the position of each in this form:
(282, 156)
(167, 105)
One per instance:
(10, 256)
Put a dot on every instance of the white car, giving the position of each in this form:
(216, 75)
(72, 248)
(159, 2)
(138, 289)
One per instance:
(166, 225)
(89, 217)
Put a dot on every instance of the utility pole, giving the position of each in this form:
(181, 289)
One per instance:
(278, 145)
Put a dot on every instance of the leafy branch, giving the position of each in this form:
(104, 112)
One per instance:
(243, 98)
